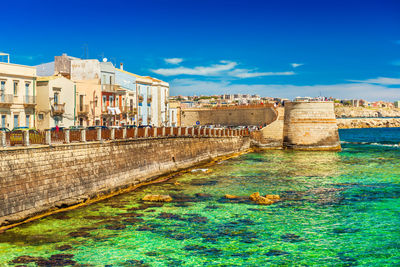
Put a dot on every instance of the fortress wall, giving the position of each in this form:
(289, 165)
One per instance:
(36, 179)
(310, 126)
(228, 116)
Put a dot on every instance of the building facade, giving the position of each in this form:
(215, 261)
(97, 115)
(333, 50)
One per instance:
(56, 100)
(17, 95)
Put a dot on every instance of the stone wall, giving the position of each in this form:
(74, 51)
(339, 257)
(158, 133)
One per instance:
(36, 179)
(361, 112)
(234, 116)
(310, 126)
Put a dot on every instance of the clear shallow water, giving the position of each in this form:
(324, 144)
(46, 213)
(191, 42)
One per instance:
(337, 209)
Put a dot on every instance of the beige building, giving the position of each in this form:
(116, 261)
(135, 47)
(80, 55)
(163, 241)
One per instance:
(88, 102)
(55, 102)
(17, 95)
(159, 104)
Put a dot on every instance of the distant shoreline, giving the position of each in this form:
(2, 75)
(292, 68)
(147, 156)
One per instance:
(350, 123)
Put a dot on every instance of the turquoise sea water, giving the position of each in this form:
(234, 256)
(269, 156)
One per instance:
(337, 209)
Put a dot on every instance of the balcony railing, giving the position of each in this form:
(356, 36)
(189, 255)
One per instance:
(58, 109)
(140, 98)
(29, 100)
(109, 87)
(83, 110)
(149, 98)
(6, 99)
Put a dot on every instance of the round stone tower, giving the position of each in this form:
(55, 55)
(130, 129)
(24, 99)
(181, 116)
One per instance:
(310, 126)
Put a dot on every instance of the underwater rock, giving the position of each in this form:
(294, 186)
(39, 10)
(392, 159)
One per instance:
(116, 227)
(292, 238)
(166, 215)
(26, 259)
(64, 247)
(202, 195)
(157, 198)
(267, 200)
(275, 252)
(194, 247)
(133, 220)
(152, 253)
(228, 196)
(79, 234)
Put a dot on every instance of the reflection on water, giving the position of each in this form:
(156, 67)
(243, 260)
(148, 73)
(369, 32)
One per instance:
(336, 209)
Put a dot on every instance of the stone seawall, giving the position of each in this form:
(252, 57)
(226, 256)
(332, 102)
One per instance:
(36, 179)
(361, 112)
(368, 123)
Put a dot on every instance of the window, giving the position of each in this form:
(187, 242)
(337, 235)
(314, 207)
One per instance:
(111, 101)
(110, 79)
(117, 101)
(3, 86)
(104, 100)
(15, 88)
(16, 121)
(3, 121)
(55, 98)
(40, 116)
(27, 120)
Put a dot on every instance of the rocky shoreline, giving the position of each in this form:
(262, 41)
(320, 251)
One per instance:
(368, 123)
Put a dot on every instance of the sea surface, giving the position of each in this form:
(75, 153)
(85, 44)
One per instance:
(337, 209)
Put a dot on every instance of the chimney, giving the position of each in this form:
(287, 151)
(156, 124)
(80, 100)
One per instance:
(121, 66)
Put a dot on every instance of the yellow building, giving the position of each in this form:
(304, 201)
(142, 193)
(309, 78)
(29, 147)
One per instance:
(17, 95)
(88, 102)
(55, 102)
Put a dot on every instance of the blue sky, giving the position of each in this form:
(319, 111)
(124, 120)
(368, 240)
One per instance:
(344, 49)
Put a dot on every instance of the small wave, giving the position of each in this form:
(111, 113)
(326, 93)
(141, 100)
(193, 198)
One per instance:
(371, 143)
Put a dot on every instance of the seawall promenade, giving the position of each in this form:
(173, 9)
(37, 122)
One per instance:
(38, 178)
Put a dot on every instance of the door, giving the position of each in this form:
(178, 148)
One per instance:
(27, 120)
(27, 93)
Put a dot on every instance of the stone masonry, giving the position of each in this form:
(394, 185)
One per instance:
(36, 179)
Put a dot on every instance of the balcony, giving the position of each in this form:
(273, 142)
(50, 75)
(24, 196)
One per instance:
(83, 110)
(128, 110)
(112, 88)
(6, 100)
(140, 98)
(58, 109)
(149, 98)
(29, 101)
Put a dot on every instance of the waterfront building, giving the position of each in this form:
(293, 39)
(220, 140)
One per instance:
(17, 95)
(159, 102)
(128, 100)
(88, 106)
(55, 97)
(175, 114)
(397, 104)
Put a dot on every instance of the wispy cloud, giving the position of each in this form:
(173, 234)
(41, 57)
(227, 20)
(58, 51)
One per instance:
(366, 91)
(244, 73)
(174, 60)
(295, 65)
(380, 80)
(200, 71)
(223, 68)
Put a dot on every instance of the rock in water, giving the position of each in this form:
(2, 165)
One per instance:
(231, 196)
(157, 198)
(267, 200)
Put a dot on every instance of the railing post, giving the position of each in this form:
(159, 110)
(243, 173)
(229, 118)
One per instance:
(3, 139)
(146, 132)
(83, 135)
(136, 132)
(199, 132)
(67, 136)
(98, 134)
(47, 137)
(171, 131)
(163, 131)
(124, 133)
(186, 131)
(112, 134)
(155, 131)
(179, 131)
(26, 138)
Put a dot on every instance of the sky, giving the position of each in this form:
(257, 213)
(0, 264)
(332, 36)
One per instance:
(286, 48)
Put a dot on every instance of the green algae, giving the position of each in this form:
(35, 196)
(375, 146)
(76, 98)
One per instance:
(336, 209)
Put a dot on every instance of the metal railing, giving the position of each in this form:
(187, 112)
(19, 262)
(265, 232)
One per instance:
(58, 108)
(51, 137)
(83, 109)
(30, 100)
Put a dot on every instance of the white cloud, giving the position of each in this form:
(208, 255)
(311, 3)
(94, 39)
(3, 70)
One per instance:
(223, 68)
(174, 60)
(370, 92)
(380, 80)
(244, 73)
(295, 65)
(202, 71)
